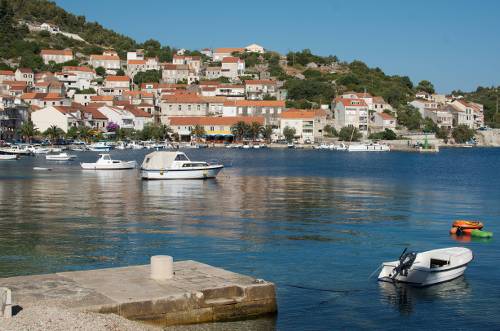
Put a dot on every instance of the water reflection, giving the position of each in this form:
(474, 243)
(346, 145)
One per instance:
(405, 298)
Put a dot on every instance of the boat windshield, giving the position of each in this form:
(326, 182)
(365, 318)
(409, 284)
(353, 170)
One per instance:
(181, 157)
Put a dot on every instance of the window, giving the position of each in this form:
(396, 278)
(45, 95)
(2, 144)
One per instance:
(212, 128)
(181, 157)
(179, 107)
(189, 107)
(198, 107)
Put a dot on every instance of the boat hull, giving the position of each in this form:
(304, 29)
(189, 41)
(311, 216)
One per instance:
(114, 166)
(197, 173)
(8, 157)
(423, 272)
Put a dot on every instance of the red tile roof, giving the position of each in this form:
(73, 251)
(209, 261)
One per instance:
(231, 59)
(351, 102)
(222, 121)
(94, 111)
(6, 72)
(137, 62)
(81, 68)
(67, 52)
(101, 98)
(254, 103)
(229, 50)
(303, 113)
(104, 57)
(386, 116)
(260, 82)
(117, 79)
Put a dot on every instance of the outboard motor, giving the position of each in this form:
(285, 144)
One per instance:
(405, 262)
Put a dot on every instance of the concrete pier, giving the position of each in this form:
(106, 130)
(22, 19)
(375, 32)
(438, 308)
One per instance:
(197, 293)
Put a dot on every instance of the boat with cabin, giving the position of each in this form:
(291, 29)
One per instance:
(105, 162)
(176, 165)
(368, 147)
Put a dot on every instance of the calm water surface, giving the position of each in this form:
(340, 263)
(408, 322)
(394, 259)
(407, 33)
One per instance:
(317, 223)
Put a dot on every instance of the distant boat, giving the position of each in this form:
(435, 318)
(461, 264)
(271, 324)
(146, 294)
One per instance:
(368, 147)
(100, 146)
(106, 163)
(60, 157)
(41, 169)
(176, 165)
(5, 157)
(16, 149)
(427, 268)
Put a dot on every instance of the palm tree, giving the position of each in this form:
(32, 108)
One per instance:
(198, 131)
(267, 132)
(163, 131)
(254, 129)
(53, 132)
(84, 132)
(239, 130)
(28, 131)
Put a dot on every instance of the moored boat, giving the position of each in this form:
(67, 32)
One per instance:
(60, 157)
(4, 157)
(100, 146)
(176, 165)
(106, 163)
(368, 147)
(427, 268)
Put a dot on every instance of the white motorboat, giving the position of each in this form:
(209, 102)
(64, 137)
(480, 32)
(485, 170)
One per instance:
(100, 146)
(427, 268)
(368, 147)
(176, 165)
(4, 157)
(106, 163)
(37, 149)
(60, 157)
(134, 145)
(121, 145)
(17, 149)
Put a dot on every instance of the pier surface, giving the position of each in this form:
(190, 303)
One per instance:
(197, 293)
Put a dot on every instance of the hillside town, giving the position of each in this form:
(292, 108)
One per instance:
(213, 91)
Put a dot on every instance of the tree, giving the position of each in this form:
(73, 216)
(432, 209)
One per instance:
(254, 130)
(443, 133)
(89, 90)
(54, 133)
(266, 132)
(84, 132)
(120, 72)
(198, 131)
(329, 131)
(28, 131)
(429, 125)
(289, 133)
(349, 133)
(410, 117)
(462, 134)
(387, 134)
(240, 130)
(100, 71)
(72, 133)
(149, 76)
(425, 86)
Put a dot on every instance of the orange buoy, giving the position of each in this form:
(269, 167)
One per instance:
(464, 224)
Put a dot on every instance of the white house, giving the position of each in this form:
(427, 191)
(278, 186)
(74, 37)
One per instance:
(383, 121)
(106, 61)
(56, 55)
(122, 117)
(351, 112)
(232, 67)
(220, 53)
(308, 124)
(25, 75)
(64, 117)
(254, 48)
(257, 89)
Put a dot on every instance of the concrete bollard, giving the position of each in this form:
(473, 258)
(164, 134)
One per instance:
(5, 302)
(162, 267)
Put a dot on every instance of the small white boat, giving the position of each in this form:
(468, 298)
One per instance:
(55, 150)
(427, 268)
(368, 147)
(37, 149)
(60, 157)
(4, 157)
(176, 165)
(17, 149)
(106, 163)
(42, 169)
(100, 146)
(134, 145)
(121, 145)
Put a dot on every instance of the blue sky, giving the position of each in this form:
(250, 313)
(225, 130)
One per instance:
(455, 44)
